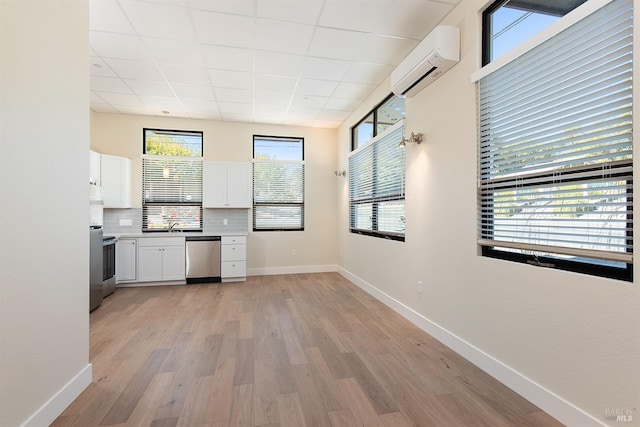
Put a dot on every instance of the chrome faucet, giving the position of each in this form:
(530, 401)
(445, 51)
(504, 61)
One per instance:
(171, 225)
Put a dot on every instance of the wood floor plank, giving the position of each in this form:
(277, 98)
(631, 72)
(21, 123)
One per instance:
(276, 351)
(265, 391)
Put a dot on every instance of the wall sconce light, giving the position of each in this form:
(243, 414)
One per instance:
(413, 138)
(340, 173)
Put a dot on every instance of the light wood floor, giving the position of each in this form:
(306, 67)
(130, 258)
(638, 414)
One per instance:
(296, 350)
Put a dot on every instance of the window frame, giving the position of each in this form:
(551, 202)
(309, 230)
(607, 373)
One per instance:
(300, 205)
(579, 265)
(487, 32)
(376, 201)
(374, 113)
(145, 228)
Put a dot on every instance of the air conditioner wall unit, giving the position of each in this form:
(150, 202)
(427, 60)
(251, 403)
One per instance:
(434, 55)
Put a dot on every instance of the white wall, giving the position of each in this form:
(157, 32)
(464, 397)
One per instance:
(44, 260)
(574, 335)
(267, 252)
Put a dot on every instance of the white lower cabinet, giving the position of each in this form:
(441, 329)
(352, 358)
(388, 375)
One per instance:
(161, 258)
(126, 253)
(233, 259)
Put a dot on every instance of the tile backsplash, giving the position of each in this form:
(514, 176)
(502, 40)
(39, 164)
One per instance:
(212, 220)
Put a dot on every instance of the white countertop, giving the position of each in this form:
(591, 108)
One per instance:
(153, 234)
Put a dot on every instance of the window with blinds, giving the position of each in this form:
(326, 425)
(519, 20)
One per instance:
(278, 183)
(377, 185)
(172, 180)
(555, 150)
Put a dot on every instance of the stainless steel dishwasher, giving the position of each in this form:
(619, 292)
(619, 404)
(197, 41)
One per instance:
(203, 259)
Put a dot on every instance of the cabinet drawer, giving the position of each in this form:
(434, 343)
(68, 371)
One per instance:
(233, 269)
(234, 240)
(161, 241)
(233, 253)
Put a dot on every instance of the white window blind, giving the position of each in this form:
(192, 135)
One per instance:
(377, 185)
(278, 183)
(171, 192)
(278, 195)
(555, 151)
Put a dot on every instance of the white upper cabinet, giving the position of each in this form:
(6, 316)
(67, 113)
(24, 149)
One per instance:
(226, 185)
(116, 181)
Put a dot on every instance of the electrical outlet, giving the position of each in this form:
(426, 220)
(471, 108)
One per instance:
(294, 252)
(125, 221)
(224, 221)
(419, 286)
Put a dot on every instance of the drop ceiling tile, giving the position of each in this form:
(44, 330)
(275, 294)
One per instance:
(103, 108)
(342, 104)
(268, 119)
(100, 68)
(128, 69)
(200, 105)
(363, 72)
(227, 58)
(353, 90)
(233, 95)
(222, 29)
(235, 108)
(267, 82)
(388, 50)
(205, 115)
(413, 18)
(149, 87)
(108, 84)
(270, 110)
(140, 111)
(231, 117)
(332, 115)
(303, 113)
(301, 11)
(274, 99)
(326, 124)
(106, 15)
(159, 20)
(175, 51)
(170, 103)
(186, 75)
(286, 37)
(316, 87)
(109, 45)
(235, 7)
(324, 69)
(116, 99)
(303, 102)
(336, 44)
(292, 121)
(231, 79)
(193, 91)
(95, 98)
(281, 64)
(358, 15)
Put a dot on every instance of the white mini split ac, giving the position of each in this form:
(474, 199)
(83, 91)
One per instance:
(438, 52)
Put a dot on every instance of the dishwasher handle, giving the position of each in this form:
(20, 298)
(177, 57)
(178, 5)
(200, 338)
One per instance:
(202, 238)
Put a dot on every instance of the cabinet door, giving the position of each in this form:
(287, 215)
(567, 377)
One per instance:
(214, 181)
(149, 263)
(126, 260)
(116, 181)
(239, 185)
(173, 263)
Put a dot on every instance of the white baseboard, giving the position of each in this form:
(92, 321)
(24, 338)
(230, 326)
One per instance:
(61, 400)
(549, 402)
(269, 271)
